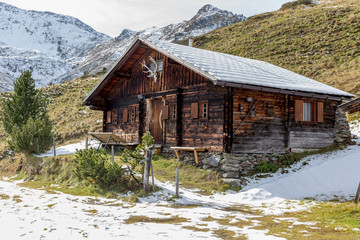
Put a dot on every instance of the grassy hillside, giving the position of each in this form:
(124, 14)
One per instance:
(71, 120)
(319, 41)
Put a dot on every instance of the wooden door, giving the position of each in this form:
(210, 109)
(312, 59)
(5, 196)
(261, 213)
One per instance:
(156, 128)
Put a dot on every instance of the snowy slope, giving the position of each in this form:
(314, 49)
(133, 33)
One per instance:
(207, 19)
(41, 41)
(59, 48)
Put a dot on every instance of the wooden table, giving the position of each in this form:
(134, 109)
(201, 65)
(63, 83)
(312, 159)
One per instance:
(195, 149)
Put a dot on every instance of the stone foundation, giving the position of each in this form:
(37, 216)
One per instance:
(231, 167)
(341, 129)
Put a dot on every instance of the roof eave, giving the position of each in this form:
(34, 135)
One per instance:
(283, 91)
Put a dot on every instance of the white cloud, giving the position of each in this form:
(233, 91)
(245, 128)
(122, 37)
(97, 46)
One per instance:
(111, 16)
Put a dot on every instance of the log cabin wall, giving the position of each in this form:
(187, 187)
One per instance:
(263, 130)
(315, 134)
(203, 132)
(127, 122)
(273, 127)
(173, 76)
(176, 87)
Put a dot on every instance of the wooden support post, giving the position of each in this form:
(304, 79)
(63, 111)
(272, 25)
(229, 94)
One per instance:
(177, 182)
(54, 147)
(112, 153)
(357, 197)
(153, 178)
(147, 168)
(86, 143)
(196, 158)
(177, 154)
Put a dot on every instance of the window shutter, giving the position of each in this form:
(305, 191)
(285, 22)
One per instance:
(165, 112)
(320, 112)
(299, 104)
(125, 115)
(195, 110)
(108, 117)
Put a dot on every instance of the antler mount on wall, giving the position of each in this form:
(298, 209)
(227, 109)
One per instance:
(152, 69)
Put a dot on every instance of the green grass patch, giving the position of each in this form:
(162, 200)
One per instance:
(320, 41)
(288, 160)
(169, 220)
(190, 176)
(326, 220)
(4, 196)
(196, 229)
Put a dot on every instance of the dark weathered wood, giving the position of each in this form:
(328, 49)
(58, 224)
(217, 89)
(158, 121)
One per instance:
(228, 120)
(156, 128)
(179, 106)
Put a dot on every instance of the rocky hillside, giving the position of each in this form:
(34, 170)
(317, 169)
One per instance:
(206, 20)
(44, 42)
(321, 41)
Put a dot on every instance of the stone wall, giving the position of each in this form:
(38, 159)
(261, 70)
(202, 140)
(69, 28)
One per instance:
(341, 129)
(231, 167)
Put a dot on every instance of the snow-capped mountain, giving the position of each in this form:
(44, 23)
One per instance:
(42, 42)
(208, 18)
(59, 48)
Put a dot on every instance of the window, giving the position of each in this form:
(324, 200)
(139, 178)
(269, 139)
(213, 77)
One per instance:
(309, 111)
(114, 116)
(200, 110)
(131, 115)
(204, 110)
(173, 112)
(108, 117)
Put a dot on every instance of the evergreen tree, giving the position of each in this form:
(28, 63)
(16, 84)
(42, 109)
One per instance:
(25, 117)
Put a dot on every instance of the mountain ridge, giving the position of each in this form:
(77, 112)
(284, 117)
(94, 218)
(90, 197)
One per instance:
(58, 48)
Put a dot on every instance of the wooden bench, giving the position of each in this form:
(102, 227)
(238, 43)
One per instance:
(195, 149)
(109, 138)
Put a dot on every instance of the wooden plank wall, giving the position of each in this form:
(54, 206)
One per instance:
(204, 133)
(173, 76)
(264, 131)
(312, 136)
(127, 130)
(272, 128)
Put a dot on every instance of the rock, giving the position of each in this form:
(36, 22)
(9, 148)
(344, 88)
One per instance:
(230, 175)
(231, 168)
(212, 161)
(232, 182)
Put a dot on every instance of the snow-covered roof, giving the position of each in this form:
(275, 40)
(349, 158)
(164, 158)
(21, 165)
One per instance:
(221, 67)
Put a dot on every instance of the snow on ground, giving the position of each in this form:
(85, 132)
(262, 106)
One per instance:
(69, 149)
(36, 214)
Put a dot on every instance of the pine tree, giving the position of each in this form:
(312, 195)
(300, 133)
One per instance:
(26, 118)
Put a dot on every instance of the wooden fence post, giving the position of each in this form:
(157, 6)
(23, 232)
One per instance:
(147, 161)
(54, 146)
(357, 197)
(177, 182)
(112, 153)
(86, 143)
(153, 178)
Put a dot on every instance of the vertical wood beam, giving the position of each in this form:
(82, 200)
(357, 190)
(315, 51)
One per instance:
(179, 104)
(228, 119)
(141, 120)
(287, 122)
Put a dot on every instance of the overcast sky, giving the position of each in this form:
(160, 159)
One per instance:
(112, 16)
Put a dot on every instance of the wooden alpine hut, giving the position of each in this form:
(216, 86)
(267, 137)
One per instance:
(192, 97)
